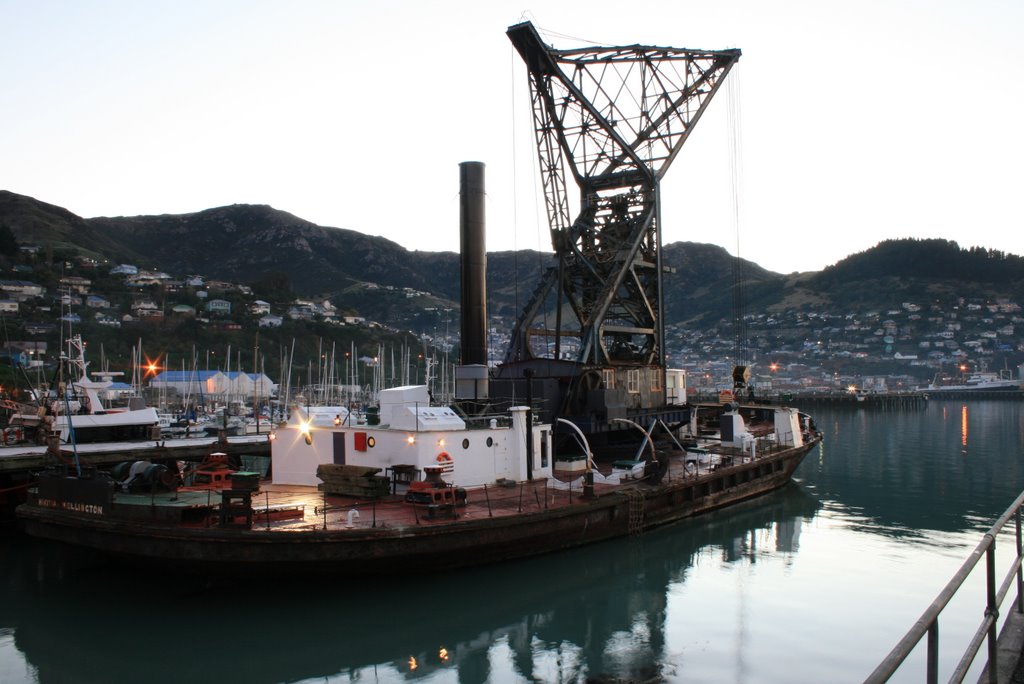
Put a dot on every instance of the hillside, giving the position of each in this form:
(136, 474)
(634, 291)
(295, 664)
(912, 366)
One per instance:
(925, 269)
(53, 227)
(282, 256)
(254, 243)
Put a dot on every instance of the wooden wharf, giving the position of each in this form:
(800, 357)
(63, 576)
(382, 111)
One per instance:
(886, 400)
(901, 399)
(26, 458)
(19, 464)
(1013, 395)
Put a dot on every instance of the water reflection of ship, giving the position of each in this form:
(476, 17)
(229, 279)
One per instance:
(575, 608)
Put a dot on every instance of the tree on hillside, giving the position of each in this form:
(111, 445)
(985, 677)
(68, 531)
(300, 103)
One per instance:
(925, 258)
(273, 286)
(8, 243)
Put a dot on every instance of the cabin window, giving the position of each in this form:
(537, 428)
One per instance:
(608, 378)
(490, 442)
(465, 443)
(543, 448)
(371, 442)
(633, 381)
(655, 380)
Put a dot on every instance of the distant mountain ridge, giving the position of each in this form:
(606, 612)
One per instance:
(245, 243)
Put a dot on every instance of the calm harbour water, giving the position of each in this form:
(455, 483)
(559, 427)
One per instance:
(814, 583)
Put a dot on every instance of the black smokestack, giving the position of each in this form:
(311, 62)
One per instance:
(474, 263)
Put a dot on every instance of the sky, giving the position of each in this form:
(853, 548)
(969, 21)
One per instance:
(856, 122)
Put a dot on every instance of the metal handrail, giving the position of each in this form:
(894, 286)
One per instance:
(928, 623)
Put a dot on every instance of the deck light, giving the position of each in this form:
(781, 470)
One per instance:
(411, 439)
(306, 430)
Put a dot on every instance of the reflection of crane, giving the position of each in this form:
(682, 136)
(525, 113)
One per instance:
(614, 118)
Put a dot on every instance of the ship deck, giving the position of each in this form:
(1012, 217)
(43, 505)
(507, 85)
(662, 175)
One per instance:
(285, 507)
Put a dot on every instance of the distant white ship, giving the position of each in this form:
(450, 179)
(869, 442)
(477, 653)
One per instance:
(979, 382)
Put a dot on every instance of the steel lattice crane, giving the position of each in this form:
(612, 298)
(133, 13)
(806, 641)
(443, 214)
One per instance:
(614, 118)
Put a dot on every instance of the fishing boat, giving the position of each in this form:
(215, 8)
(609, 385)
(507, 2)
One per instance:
(419, 490)
(229, 425)
(76, 411)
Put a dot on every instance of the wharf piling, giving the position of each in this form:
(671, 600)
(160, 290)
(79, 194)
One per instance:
(959, 395)
(885, 400)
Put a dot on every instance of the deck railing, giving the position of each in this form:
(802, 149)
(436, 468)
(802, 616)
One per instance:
(928, 623)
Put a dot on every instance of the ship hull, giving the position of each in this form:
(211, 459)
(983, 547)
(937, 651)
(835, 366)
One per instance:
(464, 541)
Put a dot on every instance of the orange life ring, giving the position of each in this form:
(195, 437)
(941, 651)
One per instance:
(443, 457)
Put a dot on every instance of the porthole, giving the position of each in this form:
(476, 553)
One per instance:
(371, 442)
(490, 441)
(465, 443)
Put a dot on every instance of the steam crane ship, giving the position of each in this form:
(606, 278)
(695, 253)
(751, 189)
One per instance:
(500, 490)
(589, 345)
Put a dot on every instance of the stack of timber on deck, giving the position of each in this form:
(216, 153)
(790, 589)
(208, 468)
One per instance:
(352, 480)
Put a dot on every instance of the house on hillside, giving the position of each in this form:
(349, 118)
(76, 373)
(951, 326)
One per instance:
(109, 321)
(147, 279)
(144, 305)
(271, 321)
(40, 328)
(76, 284)
(183, 310)
(259, 307)
(33, 351)
(301, 313)
(22, 289)
(218, 306)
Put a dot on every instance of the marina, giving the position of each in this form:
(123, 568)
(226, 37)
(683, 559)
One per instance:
(860, 543)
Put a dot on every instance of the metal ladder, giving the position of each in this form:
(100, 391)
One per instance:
(636, 512)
